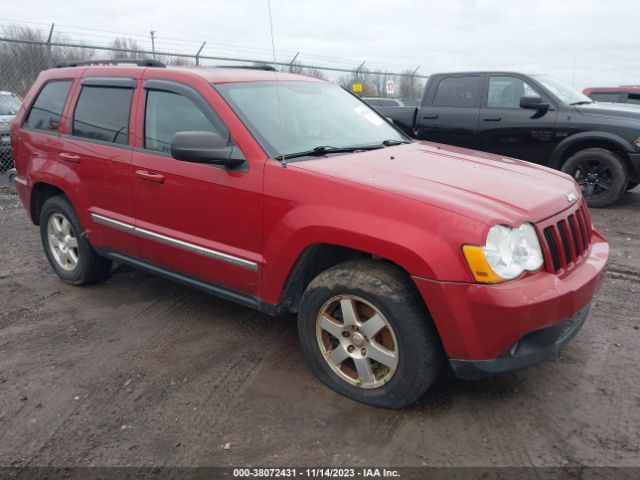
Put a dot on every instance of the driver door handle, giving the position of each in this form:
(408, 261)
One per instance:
(149, 176)
(492, 119)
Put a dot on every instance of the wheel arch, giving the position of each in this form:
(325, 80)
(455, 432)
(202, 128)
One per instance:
(40, 193)
(316, 259)
(585, 140)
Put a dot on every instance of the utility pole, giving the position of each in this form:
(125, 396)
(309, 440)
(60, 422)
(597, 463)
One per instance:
(153, 43)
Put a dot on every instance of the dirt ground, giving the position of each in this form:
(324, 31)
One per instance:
(140, 371)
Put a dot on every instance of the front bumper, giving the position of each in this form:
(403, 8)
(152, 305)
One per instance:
(531, 349)
(479, 322)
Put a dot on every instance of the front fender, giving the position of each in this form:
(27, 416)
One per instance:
(611, 138)
(406, 240)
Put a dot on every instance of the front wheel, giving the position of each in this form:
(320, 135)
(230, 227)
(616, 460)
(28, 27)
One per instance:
(367, 335)
(600, 173)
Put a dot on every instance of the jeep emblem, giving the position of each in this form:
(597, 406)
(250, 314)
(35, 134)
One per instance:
(571, 197)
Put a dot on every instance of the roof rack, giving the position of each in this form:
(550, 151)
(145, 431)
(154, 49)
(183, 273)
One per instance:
(266, 68)
(115, 61)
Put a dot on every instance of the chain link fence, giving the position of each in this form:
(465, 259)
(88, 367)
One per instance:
(25, 52)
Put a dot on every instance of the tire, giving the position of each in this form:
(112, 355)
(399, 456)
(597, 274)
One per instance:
(600, 173)
(376, 289)
(67, 248)
(632, 185)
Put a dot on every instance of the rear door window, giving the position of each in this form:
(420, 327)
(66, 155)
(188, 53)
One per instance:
(102, 113)
(46, 111)
(458, 92)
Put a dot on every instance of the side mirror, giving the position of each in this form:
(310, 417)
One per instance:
(534, 103)
(205, 147)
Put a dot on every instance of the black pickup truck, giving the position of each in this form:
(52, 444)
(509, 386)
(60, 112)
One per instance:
(535, 118)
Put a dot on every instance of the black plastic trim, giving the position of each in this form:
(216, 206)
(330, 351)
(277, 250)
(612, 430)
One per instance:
(220, 291)
(532, 348)
(68, 136)
(634, 160)
(117, 82)
(116, 61)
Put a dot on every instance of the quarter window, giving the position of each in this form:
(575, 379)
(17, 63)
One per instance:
(167, 113)
(102, 113)
(458, 92)
(506, 92)
(47, 109)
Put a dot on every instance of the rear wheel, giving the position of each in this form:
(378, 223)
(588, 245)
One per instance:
(600, 173)
(367, 335)
(67, 247)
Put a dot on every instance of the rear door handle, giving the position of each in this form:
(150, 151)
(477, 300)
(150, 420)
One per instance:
(430, 116)
(149, 176)
(69, 157)
(492, 119)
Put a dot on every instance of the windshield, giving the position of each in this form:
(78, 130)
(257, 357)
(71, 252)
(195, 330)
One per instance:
(564, 92)
(9, 105)
(293, 117)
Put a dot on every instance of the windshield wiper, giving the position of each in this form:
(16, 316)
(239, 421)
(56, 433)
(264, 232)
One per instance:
(581, 102)
(393, 143)
(324, 149)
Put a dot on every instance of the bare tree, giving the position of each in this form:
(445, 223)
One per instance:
(127, 48)
(296, 67)
(379, 83)
(362, 77)
(22, 61)
(409, 85)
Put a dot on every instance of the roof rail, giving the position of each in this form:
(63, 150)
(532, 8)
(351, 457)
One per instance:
(115, 61)
(267, 68)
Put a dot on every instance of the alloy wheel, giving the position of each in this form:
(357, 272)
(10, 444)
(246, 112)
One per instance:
(594, 177)
(357, 341)
(63, 242)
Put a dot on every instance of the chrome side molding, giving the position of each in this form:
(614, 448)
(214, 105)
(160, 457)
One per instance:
(174, 242)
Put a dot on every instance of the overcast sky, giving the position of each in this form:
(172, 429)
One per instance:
(547, 36)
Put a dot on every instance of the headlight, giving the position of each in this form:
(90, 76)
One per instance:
(637, 142)
(507, 254)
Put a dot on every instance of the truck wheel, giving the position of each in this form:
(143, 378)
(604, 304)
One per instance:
(68, 250)
(367, 335)
(600, 173)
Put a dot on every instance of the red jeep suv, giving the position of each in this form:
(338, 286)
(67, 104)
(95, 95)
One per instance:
(289, 195)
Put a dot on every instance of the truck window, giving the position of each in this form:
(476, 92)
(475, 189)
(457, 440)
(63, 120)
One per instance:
(47, 109)
(102, 113)
(458, 92)
(605, 96)
(634, 98)
(167, 113)
(506, 92)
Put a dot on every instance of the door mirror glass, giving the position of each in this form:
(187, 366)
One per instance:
(533, 103)
(205, 147)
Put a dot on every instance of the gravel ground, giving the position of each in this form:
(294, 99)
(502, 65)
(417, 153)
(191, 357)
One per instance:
(141, 371)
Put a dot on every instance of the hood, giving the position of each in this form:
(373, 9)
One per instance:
(617, 110)
(481, 186)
